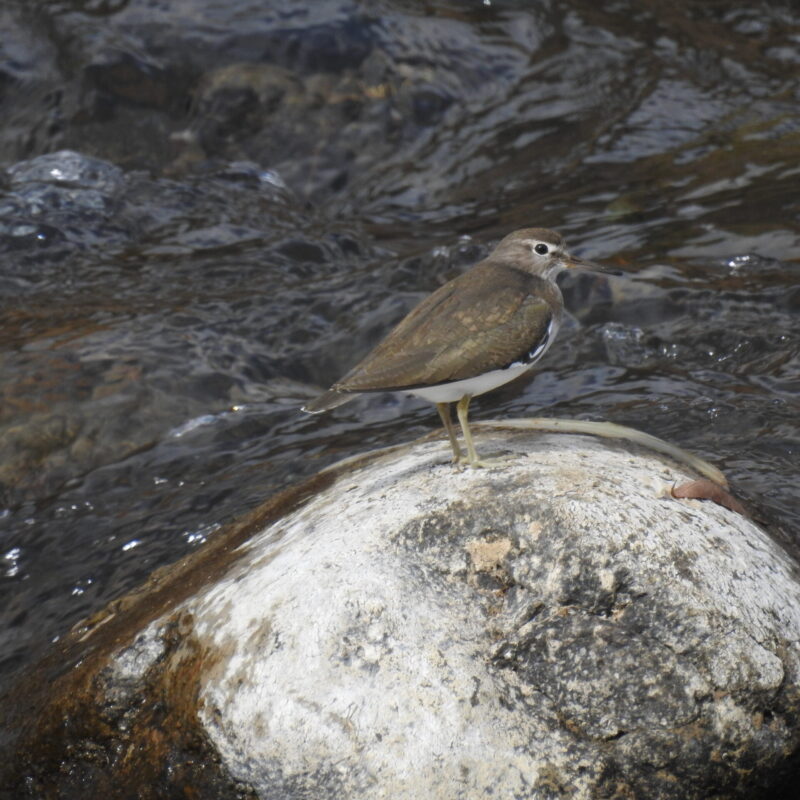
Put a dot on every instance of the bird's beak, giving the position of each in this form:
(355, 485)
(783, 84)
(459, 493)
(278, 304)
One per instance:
(573, 262)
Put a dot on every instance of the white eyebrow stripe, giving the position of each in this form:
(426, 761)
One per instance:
(554, 248)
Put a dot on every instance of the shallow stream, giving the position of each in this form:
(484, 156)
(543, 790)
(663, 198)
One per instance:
(211, 210)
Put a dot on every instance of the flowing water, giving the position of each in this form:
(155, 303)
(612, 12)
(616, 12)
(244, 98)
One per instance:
(211, 210)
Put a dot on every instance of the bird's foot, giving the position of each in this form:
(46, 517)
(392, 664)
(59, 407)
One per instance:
(457, 456)
(480, 464)
(458, 462)
(489, 463)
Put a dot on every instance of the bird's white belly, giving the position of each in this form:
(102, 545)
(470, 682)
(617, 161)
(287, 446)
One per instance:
(453, 392)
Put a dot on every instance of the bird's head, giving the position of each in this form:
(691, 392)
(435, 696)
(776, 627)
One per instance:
(542, 252)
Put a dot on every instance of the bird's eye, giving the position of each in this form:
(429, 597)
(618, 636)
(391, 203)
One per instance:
(541, 249)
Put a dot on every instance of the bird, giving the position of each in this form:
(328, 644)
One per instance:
(475, 333)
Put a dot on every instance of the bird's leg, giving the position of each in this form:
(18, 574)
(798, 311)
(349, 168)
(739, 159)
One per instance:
(463, 409)
(447, 421)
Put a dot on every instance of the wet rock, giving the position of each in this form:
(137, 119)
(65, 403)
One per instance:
(556, 625)
(61, 197)
(120, 77)
(277, 117)
(67, 168)
(85, 202)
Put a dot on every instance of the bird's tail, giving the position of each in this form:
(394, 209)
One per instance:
(327, 401)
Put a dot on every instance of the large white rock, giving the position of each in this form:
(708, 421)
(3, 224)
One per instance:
(552, 627)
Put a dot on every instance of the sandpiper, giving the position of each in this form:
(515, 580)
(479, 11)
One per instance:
(475, 333)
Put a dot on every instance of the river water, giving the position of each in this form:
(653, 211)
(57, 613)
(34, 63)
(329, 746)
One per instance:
(212, 209)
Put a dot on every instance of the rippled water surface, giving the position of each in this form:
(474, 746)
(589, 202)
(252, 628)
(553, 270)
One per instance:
(210, 210)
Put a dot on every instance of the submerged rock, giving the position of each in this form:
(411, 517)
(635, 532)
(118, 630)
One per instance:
(554, 626)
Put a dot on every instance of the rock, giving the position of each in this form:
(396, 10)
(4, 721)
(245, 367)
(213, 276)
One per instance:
(555, 626)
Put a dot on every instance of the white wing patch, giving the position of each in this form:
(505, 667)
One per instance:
(539, 347)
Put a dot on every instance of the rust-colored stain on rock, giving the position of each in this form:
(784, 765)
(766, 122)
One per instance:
(138, 748)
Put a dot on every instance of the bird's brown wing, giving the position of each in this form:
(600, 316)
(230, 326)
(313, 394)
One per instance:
(475, 323)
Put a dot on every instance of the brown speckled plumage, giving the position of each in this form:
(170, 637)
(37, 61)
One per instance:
(485, 319)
